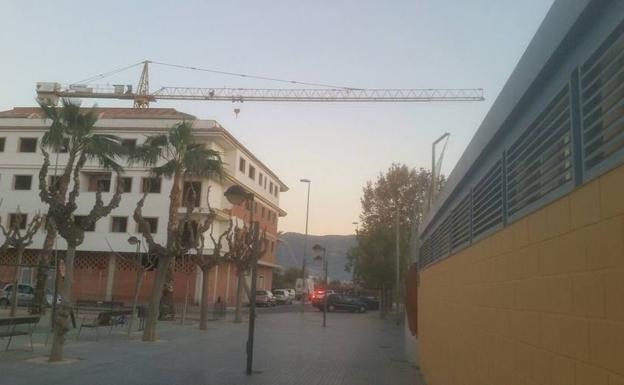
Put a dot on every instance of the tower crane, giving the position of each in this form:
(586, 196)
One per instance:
(142, 97)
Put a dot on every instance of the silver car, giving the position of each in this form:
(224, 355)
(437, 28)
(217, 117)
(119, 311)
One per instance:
(25, 295)
(282, 296)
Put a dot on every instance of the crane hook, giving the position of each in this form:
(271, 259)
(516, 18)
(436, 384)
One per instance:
(236, 111)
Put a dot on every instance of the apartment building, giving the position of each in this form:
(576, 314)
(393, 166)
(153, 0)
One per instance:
(100, 273)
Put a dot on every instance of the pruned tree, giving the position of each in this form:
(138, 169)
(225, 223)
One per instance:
(142, 263)
(77, 129)
(240, 252)
(19, 240)
(204, 258)
(173, 155)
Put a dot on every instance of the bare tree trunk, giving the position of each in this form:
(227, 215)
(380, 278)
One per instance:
(167, 305)
(185, 305)
(149, 333)
(135, 301)
(382, 302)
(18, 269)
(238, 315)
(39, 299)
(203, 311)
(62, 321)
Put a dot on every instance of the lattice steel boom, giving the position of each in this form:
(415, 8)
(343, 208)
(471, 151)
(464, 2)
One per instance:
(52, 92)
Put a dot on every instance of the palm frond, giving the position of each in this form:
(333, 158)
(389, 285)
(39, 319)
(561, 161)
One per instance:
(150, 152)
(106, 149)
(180, 136)
(201, 162)
(167, 170)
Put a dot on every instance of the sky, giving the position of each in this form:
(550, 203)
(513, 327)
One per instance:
(356, 43)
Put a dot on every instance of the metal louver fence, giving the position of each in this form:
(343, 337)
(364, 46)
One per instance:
(578, 136)
(602, 103)
(487, 201)
(541, 159)
(460, 224)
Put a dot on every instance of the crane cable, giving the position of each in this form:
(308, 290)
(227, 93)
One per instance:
(106, 74)
(258, 77)
(252, 76)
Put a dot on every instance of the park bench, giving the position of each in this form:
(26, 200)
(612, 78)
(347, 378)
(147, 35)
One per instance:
(9, 328)
(85, 304)
(109, 319)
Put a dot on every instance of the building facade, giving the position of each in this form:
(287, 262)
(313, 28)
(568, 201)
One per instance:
(522, 256)
(101, 274)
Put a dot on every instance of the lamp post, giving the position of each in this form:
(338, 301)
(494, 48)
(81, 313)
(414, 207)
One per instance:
(137, 257)
(398, 265)
(305, 247)
(352, 263)
(321, 252)
(236, 195)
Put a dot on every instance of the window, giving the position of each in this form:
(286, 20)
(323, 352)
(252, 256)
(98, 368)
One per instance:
(252, 172)
(25, 289)
(242, 165)
(2, 141)
(23, 219)
(151, 185)
(119, 224)
(128, 144)
(191, 188)
(271, 187)
(28, 145)
(276, 190)
(152, 223)
(78, 220)
(22, 182)
(262, 212)
(125, 184)
(99, 182)
(272, 246)
(260, 178)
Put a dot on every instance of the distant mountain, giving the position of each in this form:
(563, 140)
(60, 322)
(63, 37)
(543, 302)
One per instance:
(289, 253)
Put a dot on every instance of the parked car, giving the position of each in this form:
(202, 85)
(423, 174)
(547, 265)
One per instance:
(372, 303)
(282, 296)
(319, 294)
(340, 302)
(292, 293)
(25, 295)
(265, 298)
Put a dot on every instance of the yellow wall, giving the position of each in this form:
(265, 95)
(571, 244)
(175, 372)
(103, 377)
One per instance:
(539, 302)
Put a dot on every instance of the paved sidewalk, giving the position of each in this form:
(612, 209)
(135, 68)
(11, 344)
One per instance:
(289, 349)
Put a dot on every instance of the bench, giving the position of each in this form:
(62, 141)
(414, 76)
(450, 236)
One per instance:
(108, 319)
(9, 328)
(83, 304)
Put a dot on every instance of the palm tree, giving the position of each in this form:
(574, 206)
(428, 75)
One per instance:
(70, 128)
(74, 129)
(173, 155)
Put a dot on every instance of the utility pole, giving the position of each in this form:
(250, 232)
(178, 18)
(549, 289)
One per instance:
(305, 248)
(398, 263)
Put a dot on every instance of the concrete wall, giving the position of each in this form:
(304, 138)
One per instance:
(539, 302)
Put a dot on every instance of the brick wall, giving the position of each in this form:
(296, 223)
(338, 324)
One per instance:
(539, 302)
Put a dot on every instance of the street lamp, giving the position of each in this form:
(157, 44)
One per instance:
(321, 252)
(305, 247)
(139, 268)
(236, 195)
